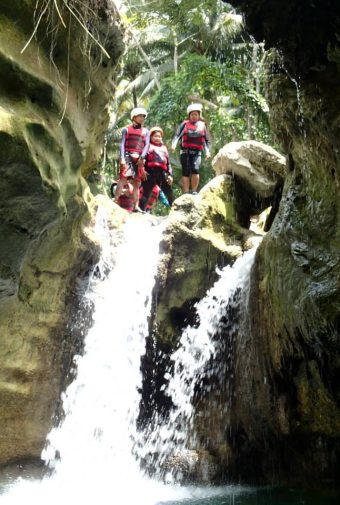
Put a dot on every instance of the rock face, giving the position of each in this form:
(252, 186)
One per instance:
(53, 111)
(201, 232)
(284, 423)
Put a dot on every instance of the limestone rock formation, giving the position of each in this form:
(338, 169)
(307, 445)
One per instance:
(260, 166)
(54, 92)
(201, 232)
(258, 171)
(285, 412)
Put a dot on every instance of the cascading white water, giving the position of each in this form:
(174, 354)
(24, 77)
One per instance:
(101, 405)
(95, 441)
(195, 350)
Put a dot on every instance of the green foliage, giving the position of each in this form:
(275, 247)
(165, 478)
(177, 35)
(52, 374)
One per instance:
(223, 86)
(182, 51)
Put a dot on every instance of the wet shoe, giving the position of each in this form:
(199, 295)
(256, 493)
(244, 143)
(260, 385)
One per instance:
(138, 209)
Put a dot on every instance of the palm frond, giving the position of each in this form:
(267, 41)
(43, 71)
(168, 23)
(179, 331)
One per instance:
(162, 69)
(144, 79)
(228, 25)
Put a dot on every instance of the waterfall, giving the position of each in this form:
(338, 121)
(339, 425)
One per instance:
(91, 451)
(101, 405)
(195, 359)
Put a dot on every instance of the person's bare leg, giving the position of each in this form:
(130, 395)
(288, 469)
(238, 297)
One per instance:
(185, 184)
(135, 193)
(195, 179)
(121, 183)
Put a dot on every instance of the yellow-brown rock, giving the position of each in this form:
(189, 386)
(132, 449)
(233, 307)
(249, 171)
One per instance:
(54, 92)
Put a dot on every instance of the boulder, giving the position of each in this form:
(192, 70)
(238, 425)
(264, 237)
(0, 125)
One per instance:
(201, 232)
(258, 171)
(259, 167)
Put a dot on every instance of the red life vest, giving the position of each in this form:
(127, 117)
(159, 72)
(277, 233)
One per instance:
(193, 135)
(157, 156)
(126, 200)
(135, 139)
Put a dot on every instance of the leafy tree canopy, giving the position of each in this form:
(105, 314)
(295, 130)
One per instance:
(183, 51)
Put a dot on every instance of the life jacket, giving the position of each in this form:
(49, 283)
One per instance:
(126, 200)
(193, 135)
(135, 139)
(157, 156)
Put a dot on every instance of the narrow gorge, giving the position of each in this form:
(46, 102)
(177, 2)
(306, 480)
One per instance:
(59, 69)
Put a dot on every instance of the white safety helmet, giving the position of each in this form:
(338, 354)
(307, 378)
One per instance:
(194, 107)
(137, 111)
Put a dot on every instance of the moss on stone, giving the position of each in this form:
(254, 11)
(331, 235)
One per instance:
(53, 116)
(318, 413)
(202, 232)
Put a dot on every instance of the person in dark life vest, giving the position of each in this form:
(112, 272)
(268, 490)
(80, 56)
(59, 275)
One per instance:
(158, 167)
(193, 136)
(133, 149)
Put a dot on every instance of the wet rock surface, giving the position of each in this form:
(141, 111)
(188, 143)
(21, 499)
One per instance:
(282, 422)
(54, 95)
(202, 232)
(286, 410)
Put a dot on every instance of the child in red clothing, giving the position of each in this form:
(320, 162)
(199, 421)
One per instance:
(157, 165)
(126, 200)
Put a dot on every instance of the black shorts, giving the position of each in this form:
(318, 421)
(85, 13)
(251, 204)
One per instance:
(131, 169)
(191, 162)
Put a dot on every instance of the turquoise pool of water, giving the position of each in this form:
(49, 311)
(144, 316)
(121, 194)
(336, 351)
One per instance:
(265, 497)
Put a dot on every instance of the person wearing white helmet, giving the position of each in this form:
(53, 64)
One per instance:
(138, 111)
(193, 136)
(133, 149)
(194, 107)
